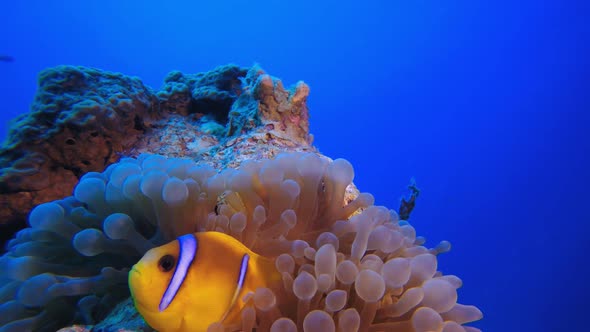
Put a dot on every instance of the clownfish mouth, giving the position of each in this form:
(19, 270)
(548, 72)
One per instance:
(135, 278)
(135, 270)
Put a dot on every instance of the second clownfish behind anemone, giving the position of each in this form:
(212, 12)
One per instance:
(197, 280)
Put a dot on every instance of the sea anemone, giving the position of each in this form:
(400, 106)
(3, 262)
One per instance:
(346, 264)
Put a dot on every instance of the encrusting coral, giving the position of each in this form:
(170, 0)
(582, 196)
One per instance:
(345, 266)
(80, 118)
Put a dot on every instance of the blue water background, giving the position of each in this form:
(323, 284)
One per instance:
(485, 103)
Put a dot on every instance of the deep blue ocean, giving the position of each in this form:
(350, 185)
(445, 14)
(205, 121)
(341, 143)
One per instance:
(486, 104)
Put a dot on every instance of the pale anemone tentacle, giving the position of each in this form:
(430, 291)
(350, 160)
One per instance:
(331, 248)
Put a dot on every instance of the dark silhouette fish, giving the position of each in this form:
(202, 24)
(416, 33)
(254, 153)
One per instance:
(6, 58)
(407, 205)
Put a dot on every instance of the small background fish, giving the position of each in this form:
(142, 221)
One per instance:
(6, 58)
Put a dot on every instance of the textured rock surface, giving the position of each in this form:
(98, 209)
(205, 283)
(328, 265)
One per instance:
(84, 119)
(80, 121)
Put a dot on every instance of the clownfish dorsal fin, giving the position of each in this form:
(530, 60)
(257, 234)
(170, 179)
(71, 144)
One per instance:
(240, 285)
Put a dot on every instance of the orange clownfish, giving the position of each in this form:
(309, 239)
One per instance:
(197, 280)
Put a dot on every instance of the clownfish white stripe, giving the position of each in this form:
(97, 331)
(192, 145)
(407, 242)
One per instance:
(241, 279)
(188, 250)
(243, 270)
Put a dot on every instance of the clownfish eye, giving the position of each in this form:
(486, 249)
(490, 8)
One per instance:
(166, 263)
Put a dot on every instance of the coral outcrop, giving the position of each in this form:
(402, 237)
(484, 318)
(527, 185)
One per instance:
(229, 151)
(80, 120)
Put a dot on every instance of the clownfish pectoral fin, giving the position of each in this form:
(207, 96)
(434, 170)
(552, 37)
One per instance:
(240, 285)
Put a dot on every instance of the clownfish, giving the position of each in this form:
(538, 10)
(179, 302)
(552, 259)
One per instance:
(197, 280)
